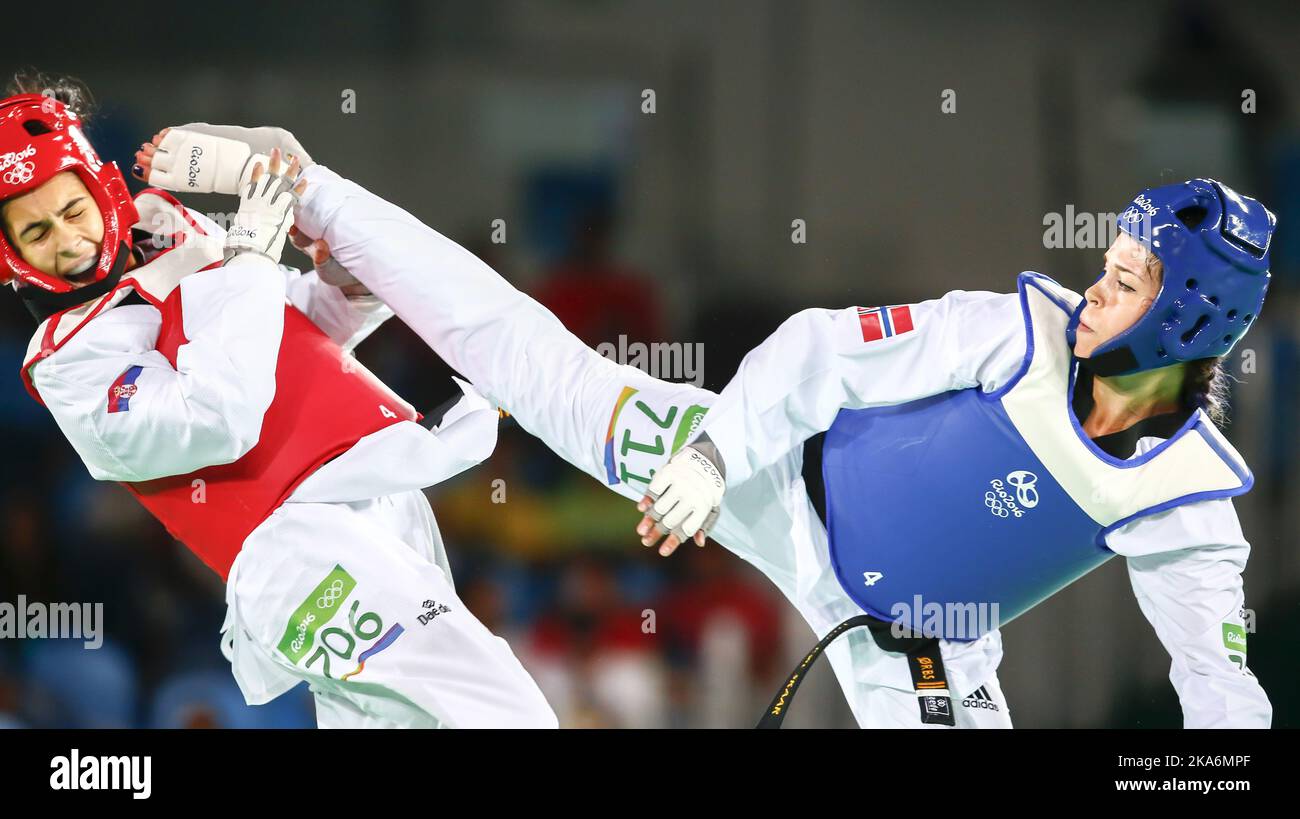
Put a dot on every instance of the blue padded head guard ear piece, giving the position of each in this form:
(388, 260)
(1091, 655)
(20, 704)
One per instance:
(1213, 243)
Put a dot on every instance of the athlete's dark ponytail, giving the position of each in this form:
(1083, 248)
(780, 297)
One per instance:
(1205, 385)
(70, 91)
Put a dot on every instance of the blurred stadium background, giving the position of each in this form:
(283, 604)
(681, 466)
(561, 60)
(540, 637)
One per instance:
(675, 226)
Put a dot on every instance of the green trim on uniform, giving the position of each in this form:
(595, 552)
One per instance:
(1234, 637)
(320, 606)
(690, 422)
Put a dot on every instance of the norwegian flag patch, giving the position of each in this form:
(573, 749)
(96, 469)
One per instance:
(121, 390)
(884, 322)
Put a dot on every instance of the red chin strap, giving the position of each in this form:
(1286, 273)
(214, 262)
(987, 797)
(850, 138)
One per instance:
(39, 138)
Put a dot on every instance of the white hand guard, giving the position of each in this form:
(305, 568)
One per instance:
(687, 494)
(265, 213)
(203, 158)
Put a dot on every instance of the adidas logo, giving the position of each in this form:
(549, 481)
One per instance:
(981, 699)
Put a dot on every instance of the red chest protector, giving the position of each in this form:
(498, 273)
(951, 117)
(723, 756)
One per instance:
(322, 407)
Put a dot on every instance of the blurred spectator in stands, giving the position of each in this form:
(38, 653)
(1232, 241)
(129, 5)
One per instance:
(593, 294)
(211, 699)
(592, 658)
(71, 686)
(724, 626)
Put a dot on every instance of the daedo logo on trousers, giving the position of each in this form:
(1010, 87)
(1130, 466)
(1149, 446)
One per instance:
(999, 501)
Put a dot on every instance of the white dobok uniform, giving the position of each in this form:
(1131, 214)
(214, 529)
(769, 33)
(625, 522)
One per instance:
(346, 584)
(618, 424)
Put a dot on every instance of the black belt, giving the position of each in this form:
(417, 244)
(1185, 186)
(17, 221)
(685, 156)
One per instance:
(434, 417)
(923, 660)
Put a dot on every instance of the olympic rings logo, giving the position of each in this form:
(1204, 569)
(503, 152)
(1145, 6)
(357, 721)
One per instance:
(331, 595)
(1000, 502)
(20, 174)
(995, 505)
(14, 157)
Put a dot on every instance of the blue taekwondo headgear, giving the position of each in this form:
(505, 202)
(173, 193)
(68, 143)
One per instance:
(1213, 243)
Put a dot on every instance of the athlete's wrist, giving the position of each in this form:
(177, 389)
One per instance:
(705, 446)
(232, 253)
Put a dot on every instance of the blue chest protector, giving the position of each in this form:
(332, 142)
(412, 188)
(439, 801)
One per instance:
(957, 513)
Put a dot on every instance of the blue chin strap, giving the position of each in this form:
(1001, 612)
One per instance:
(1213, 244)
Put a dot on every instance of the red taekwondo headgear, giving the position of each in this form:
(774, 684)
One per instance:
(40, 137)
